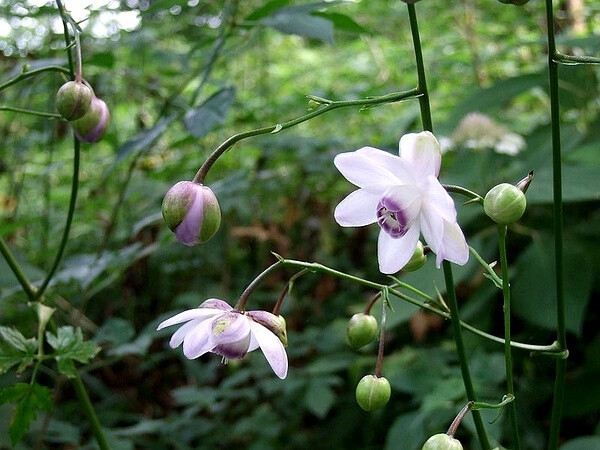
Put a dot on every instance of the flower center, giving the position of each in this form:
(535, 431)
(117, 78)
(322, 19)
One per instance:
(392, 218)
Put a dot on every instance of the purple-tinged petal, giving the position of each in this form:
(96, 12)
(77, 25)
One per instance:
(364, 171)
(188, 230)
(230, 327)
(394, 253)
(275, 324)
(272, 348)
(359, 208)
(216, 304)
(181, 333)
(233, 350)
(398, 209)
(198, 340)
(190, 314)
(400, 168)
(438, 198)
(423, 151)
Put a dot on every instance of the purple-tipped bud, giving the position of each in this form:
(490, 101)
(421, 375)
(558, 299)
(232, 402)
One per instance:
(523, 185)
(504, 203)
(417, 260)
(361, 330)
(373, 392)
(192, 212)
(442, 441)
(275, 324)
(92, 126)
(73, 100)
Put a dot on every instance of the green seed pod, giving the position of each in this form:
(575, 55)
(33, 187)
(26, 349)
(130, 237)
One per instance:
(191, 210)
(417, 260)
(361, 330)
(373, 392)
(442, 442)
(73, 100)
(504, 203)
(92, 126)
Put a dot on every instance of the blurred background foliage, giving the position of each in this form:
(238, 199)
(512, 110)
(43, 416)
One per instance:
(182, 76)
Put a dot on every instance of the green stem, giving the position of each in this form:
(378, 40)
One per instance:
(328, 105)
(474, 196)
(33, 73)
(502, 229)
(495, 278)
(241, 303)
(89, 411)
(31, 112)
(447, 268)
(561, 58)
(561, 364)
(17, 269)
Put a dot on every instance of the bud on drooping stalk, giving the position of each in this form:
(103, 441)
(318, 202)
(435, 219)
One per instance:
(504, 203)
(92, 126)
(373, 392)
(361, 330)
(273, 323)
(417, 260)
(442, 441)
(73, 100)
(192, 212)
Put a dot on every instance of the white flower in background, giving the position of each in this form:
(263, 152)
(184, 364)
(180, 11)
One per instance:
(477, 131)
(403, 195)
(216, 327)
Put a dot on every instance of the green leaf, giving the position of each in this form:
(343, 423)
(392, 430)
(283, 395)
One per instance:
(200, 121)
(144, 139)
(14, 337)
(579, 184)
(30, 398)
(10, 357)
(343, 22)
(299, 20)
(266, 10)
(582, 443)
(319, 397)
(407, 432)
(69, 345)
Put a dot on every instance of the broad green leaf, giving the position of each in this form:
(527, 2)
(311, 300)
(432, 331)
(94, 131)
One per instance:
(579, 184)
(343, 22)
(319, 397)
(30, 398)
(200, 121)
(266, 10)
(582, 443)
(300, 21)
(144, 139)
(407, 432)
(14, 337)
(69, 345)
(10, 357)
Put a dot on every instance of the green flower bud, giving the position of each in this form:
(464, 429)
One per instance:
(442, 442)
(73, 100)
(361, 330)
(417, 260)
(373, 392)
(504, 203)
(192, 212)
(92, 126)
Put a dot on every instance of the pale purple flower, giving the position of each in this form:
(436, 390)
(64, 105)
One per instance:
(404, 196)
(216, 327)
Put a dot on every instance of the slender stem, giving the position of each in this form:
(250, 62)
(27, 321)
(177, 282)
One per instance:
(241, 303)
(561, 364)
(63, 16)
(474, 196)
(31, 112)
(574, 59)
(502, 229)
(327, 106)
(89, 411)
(17, 270)
(458, 419)
(79, 69)
(286, 289)
(33, 73)
(447, 268)
(495, 278)
(381, 347)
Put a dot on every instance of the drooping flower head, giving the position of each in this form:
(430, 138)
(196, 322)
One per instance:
(216, 327)
(404, 196)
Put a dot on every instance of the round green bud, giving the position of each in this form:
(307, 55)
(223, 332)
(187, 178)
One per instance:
(442, 442)
(361, 330)
(373, 392)
(504, 203)
(73, 100)
(417, 260)
(191, 210)
(92, 126)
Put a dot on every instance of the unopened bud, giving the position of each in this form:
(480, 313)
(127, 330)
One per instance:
(73, 100)
(442, 442)
(523, 185)
(275, 324)
(92, 126)
(192, 212)
(361, 330)
(373, 392)
(504, 203)
(417, 260)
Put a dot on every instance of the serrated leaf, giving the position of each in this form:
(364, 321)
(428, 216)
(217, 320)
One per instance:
(30, 399)
(14, 337)
(69, 344)
(200, 121)
(66, 367)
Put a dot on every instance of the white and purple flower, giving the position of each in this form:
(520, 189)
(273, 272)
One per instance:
(218, 328)
(404, 196)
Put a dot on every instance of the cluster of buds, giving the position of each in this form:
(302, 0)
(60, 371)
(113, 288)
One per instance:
(89, 115)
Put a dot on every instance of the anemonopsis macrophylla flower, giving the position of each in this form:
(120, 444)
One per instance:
(191, 210)
(404, 196)
(218, 328)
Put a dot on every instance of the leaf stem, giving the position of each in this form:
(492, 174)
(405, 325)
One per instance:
(31, 112)
(89, 411)
(561, 58)
(32, 73)
(327, 105)
(502, 230)
(17, 269)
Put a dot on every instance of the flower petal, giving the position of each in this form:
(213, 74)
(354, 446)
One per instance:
(181, 332)
(188, 231)
(233, 350)
(399, 167)
(216, 303)
(394, 253)
(423, 151)
(197, 340)
(230, 327)
(437, 197)
(190, 314)
(445, 238)
(272, 348)
(364, 169)
(359, 208)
